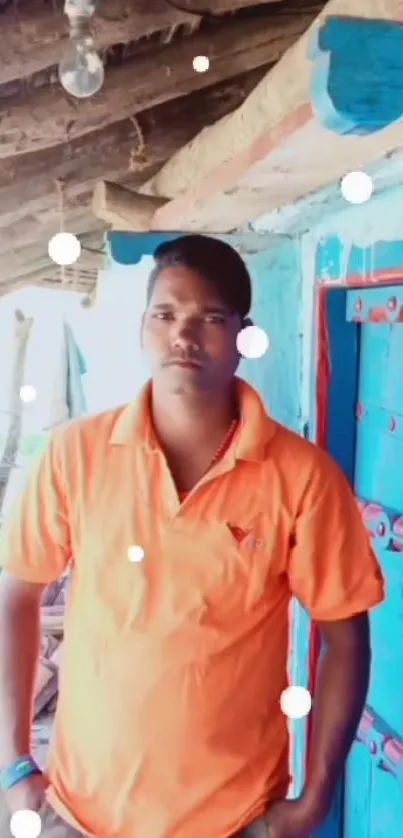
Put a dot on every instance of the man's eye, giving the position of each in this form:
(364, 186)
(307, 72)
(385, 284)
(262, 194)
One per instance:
(215, 318)
(162, 315)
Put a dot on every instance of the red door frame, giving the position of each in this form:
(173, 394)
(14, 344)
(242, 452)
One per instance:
(321, 393)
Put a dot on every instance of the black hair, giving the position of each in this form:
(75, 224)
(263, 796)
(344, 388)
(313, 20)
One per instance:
(214, 260)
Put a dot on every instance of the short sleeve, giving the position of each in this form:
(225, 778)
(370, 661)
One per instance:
(333, 571)
(35, 536)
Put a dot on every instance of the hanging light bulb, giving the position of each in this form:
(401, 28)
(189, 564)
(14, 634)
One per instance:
(81, 71)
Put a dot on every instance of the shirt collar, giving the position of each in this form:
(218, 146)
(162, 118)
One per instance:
(257, 428)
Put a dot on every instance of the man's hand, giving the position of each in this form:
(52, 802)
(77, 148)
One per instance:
(291, 819)
(28, 794)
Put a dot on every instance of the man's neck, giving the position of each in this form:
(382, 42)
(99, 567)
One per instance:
(184, 421)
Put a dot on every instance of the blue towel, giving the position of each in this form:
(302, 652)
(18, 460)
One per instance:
(76, 368)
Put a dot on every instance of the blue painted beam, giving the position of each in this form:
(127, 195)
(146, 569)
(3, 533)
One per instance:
(129, 248)
(337, 259)
(357, 81)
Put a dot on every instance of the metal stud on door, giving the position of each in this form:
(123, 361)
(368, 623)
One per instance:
(384, 526)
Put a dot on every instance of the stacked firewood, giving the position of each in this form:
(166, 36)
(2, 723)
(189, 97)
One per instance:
(47, 679)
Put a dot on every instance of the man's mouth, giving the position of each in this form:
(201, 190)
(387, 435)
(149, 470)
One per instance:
(186, 364)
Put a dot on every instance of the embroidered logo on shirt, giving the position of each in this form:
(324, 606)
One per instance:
(238, 533)
(245, 537)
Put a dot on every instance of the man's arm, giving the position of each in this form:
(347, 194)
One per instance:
(334, 574)
(338, 704)
(35, 549)
(19, 655)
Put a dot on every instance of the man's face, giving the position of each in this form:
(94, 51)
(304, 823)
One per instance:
(188, 333)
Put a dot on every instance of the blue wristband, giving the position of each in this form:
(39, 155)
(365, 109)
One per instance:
(19, 770)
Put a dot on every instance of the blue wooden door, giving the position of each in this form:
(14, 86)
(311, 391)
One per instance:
(373, 790)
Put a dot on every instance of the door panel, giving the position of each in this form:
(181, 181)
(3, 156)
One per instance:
(373, 801)
(386, 806)
(356, 807)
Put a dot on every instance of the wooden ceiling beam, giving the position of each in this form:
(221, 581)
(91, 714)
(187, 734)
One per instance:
(47, 279)
(34, 36)
(37, 230)
(222, 7)
(27, 181)
(48, 117)
(27, 190)
(123, 209)
(273, 150)
(267, 105)
(33, 259)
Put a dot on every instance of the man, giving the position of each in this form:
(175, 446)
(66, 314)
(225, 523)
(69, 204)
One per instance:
(169, 719)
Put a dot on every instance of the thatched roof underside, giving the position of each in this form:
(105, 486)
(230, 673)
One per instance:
(151, 105)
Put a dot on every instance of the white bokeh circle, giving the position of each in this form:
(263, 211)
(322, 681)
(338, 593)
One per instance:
(252, 342)
(25, 824)
(135, 553)
(64, 248)
(296, 702)
(201, 63)
(357, 187)
(27, 393)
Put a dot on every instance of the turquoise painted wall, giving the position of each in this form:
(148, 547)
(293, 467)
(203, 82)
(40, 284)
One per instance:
(276, 279)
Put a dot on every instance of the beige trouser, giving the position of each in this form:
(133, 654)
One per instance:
(54, 827)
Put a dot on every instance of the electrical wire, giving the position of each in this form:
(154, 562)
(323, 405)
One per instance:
(59, 183)
(196, 12)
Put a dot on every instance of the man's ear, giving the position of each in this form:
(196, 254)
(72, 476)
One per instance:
(247, 321)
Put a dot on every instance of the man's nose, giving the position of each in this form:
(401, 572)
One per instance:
(185, 335)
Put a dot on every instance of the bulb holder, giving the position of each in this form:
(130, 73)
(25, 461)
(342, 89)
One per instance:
(79, 8)
(80, 28)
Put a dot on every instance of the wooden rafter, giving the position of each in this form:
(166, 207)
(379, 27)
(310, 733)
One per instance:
(219, 7)
(114, 205)
(273, 150)
(34, 259)
(31, 231)
(151, 106)
(126, 149)
(49, 277)
(48, 116)
(112, 153)
(33, 37)
(270, 99)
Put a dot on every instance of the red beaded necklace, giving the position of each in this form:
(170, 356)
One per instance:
(222, 448)
(225, 444)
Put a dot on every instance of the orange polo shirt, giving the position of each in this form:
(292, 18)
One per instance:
(168, 721)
